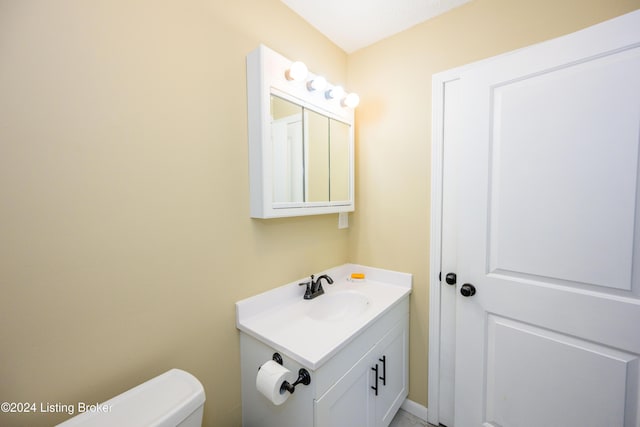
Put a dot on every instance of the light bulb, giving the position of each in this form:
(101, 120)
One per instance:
(318, 83)
(335, 92)
(297, 72)
(352, 100)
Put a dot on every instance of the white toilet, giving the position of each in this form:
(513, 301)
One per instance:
(173, 399)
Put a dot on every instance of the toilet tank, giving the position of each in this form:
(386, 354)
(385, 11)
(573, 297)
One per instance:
(175, 398)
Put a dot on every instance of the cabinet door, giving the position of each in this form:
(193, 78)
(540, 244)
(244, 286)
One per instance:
(393, 382)
(349, 402)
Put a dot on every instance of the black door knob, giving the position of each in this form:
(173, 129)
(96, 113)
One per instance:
(450, 278)
(468, 290)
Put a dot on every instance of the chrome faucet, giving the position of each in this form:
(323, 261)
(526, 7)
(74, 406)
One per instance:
(314, 286)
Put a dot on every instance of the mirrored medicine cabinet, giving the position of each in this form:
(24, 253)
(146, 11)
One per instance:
(300, 143)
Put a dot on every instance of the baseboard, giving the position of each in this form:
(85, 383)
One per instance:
(415, 409)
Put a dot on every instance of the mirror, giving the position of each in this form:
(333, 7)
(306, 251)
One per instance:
(310, 155)
(288, 151)
(340, 161)
(318, 158)
(300, 143)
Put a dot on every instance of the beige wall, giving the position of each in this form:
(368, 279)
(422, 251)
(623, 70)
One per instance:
(390, 228)
(125, 236)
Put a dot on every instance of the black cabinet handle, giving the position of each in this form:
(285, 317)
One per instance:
(375, 388)
(384, 370)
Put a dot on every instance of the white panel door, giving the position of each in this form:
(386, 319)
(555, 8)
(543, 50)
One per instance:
(549, 234)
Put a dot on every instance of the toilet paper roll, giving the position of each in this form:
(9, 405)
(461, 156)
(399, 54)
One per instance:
(270, 377)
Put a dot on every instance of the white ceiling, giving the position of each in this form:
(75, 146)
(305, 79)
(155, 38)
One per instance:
(354, 24)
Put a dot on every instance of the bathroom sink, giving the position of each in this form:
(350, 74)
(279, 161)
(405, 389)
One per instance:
(338, 306)
(313, 331)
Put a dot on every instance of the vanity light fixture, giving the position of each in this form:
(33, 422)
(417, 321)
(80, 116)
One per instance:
(336, 92)
(352, 100)
(297, 72)
(317, 83)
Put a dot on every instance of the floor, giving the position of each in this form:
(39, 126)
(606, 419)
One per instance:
(405, 419)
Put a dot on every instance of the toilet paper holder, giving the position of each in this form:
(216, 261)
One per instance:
(304, 377)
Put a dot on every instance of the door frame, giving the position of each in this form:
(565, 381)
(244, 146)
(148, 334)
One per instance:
(438, 84)
(437, 142)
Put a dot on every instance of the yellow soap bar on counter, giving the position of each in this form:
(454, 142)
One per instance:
(357, 276)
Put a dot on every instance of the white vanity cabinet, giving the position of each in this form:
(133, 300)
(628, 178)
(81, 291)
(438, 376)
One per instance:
(372, 390)
(340, 393)
(353, 341)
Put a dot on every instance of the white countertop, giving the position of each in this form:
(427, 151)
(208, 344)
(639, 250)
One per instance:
(279, 317)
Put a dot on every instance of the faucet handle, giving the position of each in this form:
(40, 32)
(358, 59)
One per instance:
(307, 292)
